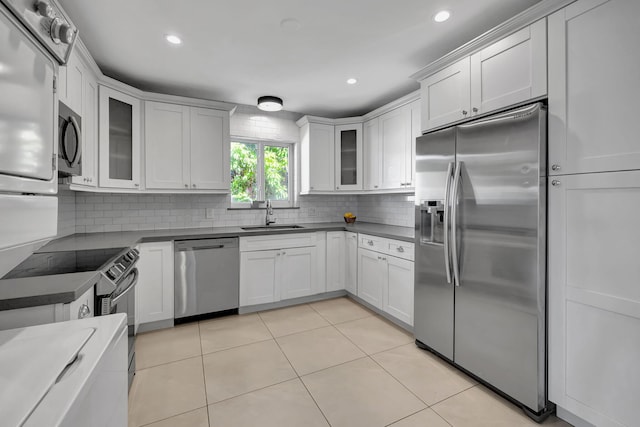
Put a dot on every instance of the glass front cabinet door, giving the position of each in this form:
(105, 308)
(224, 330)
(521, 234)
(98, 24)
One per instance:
(349, 157)
(119, 139)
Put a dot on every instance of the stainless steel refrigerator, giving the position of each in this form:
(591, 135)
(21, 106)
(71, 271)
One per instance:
(480, 282)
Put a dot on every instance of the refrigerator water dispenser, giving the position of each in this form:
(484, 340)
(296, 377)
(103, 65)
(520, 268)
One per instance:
(432, 222)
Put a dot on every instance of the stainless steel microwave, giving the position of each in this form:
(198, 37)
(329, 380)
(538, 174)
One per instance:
(69, 141)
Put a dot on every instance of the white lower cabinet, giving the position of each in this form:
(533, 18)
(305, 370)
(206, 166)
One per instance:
(594, 297)
(259, 282)
(397, 297)
(336, 261)
(283, 267)
(370, 276)
(386, 281)
(154, 290)
(351, 262)
(298, 272)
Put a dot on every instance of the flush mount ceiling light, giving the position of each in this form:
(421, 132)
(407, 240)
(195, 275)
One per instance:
(442, 16)
(270, 103)
(352, 81)
(173, 39)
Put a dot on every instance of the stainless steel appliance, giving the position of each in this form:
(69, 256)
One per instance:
(69, 141)
(480, 284)
(115, 294)
(207, 274)
(114, 289)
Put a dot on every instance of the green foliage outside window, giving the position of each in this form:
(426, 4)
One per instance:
(245, 172)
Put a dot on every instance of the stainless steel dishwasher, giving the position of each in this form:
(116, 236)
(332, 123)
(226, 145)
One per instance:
(207, 275)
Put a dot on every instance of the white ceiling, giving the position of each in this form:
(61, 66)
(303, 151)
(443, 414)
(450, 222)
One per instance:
(237, 50)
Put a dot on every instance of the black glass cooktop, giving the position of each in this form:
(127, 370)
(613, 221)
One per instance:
(50, 263)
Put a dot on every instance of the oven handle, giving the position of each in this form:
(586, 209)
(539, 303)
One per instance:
(134, 272)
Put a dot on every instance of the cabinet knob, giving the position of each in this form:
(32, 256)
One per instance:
(555, 167)
(84, 311)
(284, 253)
(375, 186)
(400, 249)
(278, 254)
(465, 112)
(555, 183)
(475, 110)
(370, 242)
(186, 186)
(136, 185)
(193, 185)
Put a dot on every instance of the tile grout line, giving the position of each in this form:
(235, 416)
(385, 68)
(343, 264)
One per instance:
(176, 415)
(204, 375)
(299, 378)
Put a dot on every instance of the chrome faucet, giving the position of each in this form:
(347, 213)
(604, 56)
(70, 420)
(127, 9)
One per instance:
(269, 214)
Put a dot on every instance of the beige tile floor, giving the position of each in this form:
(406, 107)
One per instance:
(330, 363)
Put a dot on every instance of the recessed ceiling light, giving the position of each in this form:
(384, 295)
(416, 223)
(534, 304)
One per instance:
(442, 16)
(173, 39)
(352, 81)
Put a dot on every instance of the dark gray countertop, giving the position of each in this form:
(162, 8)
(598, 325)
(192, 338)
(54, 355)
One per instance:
(45, 290)
(64, 288)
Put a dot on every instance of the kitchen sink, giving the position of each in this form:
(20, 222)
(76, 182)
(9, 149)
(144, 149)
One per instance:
(271, 227)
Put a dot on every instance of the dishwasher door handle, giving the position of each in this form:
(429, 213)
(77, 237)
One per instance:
(200, 248)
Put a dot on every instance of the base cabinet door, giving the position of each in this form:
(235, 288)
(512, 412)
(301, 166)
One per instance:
(259, 283)
(594, 297)
(398, 293)
(351, 263)
(336, 260)
(371, 277)
(297, 272)
(154, 290)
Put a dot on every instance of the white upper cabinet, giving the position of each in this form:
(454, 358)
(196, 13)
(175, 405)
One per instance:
(69, 82)
(507, 72)
(446, 95)
(317, 142)
(210, 148)
(593, 87)
(395, 148)
(511, 70)
(348, 153)
(119, 139)
(371, 154)
(186, 147)
(166, 145)
(78, 89)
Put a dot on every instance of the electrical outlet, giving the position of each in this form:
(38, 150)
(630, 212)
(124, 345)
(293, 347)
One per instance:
(209, 213)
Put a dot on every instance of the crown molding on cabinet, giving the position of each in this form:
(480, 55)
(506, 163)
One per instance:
(413, 96)
(538, 11)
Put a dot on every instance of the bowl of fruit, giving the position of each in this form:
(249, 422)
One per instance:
(349, 218)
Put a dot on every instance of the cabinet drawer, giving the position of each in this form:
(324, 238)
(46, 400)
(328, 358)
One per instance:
(372, 243)
(400, 249)
(263, 243)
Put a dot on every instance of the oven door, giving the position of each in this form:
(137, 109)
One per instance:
(123, 300)
(70, 142)
(27, 112)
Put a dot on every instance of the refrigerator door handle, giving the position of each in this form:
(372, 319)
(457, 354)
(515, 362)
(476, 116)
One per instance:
(457, 175)
(447, 219)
